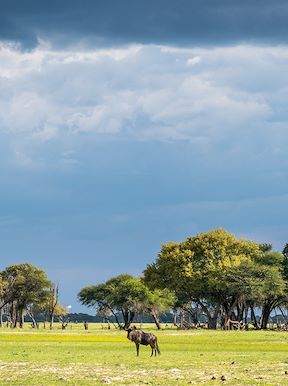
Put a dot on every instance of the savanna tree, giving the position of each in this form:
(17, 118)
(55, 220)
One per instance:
(199, 270)
(127, 296)
(120, 294)
(25, 285)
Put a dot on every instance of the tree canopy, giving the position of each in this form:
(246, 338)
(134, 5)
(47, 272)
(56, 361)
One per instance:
(219, 273)
(128, 296)
(22, 285)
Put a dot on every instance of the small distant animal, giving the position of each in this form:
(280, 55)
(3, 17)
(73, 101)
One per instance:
(140, 337)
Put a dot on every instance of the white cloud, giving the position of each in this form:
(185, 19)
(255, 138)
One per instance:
(47, 133)
(147, 92)
(193, 61)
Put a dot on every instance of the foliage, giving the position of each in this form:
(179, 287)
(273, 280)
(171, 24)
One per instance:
(23, 285)
(127, 295)
(285, 261)
(119, 294)
(223, 275)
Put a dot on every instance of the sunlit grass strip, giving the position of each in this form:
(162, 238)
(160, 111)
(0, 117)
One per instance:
(188, 357)
(26, 337)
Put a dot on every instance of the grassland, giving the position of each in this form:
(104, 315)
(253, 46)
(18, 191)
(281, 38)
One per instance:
(101, 356)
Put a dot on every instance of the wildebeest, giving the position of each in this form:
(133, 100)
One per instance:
(140, 337)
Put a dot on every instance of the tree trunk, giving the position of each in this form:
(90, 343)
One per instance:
(13, 316)
(51, 322)
(125, 318)
(128, 318)
(54, 293)
(266, 311)
(240, 311)
(264, 319)
(253, 317)
(116, 318)
(246, 317)
(175, 318)
(193, 315)
(34, 323)
(156, 320)
(212, 322)
(212, 316)
(182, 314)
(229, 311)
(21, 317)
(131, 317)
(30, 313)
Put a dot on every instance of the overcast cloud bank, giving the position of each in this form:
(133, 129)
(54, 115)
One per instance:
(113, 22)
(219, 97)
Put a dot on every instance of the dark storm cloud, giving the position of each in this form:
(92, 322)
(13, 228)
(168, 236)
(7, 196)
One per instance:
(150, 21)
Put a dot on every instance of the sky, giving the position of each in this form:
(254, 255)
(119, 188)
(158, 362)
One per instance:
(124, 125)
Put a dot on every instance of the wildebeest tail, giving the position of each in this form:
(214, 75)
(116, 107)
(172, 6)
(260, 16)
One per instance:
(157, 347)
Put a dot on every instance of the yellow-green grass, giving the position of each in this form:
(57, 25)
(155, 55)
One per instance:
(102, 356)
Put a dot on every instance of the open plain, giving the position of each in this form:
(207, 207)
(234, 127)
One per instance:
(105, 356)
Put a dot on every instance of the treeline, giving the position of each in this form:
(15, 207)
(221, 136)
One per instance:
(26, 291)
(140, 318)
(212, 275)
(211, 278)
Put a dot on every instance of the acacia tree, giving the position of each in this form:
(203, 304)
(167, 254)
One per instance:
(226, 277)
(121, 294)
(25, 285)
(194, 268)
(128, 296)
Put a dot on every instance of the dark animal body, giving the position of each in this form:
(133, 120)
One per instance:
(140, 337)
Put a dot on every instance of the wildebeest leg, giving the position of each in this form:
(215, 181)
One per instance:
(137, 348)
(152, 351)
(154, 346)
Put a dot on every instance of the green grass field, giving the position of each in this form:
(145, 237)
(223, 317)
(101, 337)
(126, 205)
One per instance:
(102, 356)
